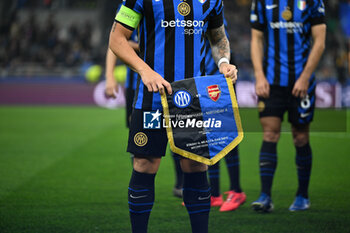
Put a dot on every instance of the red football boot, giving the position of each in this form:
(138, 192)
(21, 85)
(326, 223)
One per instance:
(233, 201)
(216, 201)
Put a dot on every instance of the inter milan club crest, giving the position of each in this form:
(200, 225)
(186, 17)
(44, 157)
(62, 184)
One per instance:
(301, 5)
(183, 8)
(140, 139)
(287, 14)
(261, 106)
(214, 92)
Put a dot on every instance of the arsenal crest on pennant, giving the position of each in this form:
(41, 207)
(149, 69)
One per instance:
(214, 92)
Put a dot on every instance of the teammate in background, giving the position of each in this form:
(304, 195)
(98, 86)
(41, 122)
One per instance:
(131, 77)
(285, 82)
(179, 176)
(235, 196)
(171, 42)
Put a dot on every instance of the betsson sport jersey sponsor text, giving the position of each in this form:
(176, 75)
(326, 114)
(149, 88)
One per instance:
(191, 26)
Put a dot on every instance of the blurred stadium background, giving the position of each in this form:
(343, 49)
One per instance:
(63, 165)
(56, 42)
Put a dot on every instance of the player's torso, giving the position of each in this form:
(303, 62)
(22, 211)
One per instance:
(172, 41)
(288, 32)
(175, 29)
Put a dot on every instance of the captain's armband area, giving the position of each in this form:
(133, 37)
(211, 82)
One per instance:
(128, 18)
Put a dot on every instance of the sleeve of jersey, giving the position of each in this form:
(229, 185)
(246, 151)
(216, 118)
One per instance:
(318, 13)
(129, 17)
(216, 16)
(256, 16)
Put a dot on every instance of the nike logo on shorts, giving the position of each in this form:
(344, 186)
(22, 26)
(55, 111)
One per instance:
(303, 115)
(269, 7)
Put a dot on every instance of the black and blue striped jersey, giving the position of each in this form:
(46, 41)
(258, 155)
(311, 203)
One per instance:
(287, 31)
(172, 38)
(131, 76)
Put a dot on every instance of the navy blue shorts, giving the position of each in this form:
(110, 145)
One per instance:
(146, 140)
(300, 111)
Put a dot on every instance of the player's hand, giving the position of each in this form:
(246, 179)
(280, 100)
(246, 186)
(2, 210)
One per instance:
(262, 86)
(300, 87)
(230, 71)
(111, 87)
(154, 82)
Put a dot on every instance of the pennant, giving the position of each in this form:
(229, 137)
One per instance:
(202, 118)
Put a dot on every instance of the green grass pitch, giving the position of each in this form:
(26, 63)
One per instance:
(65, 169)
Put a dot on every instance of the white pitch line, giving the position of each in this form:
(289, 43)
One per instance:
(331, 135)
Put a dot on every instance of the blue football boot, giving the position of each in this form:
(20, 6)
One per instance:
(300, 203)
(263, 204)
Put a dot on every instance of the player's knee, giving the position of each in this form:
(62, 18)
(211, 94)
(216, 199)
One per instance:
(189, 166)
(271, 136)
(146, 165)
(300, 139)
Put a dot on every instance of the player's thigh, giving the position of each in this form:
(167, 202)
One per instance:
(189, 166)
(275, 105)
(271, 128)
(271, 111)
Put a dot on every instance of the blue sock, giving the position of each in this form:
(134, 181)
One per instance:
(214, 175)
(141, 198)
(268, 164)
(196, 195)
(232, 162)
(303, 161)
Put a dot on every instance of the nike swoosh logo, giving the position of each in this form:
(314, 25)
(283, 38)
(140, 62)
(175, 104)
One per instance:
(203, 198)
(269, 7)
(137, 197)
(302, 115)
(263, 164)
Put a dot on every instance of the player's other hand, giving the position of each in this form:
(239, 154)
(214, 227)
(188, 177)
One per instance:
(230, 71)
(111, 87)
(300, 87)
(262, 86)
(154, 82)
